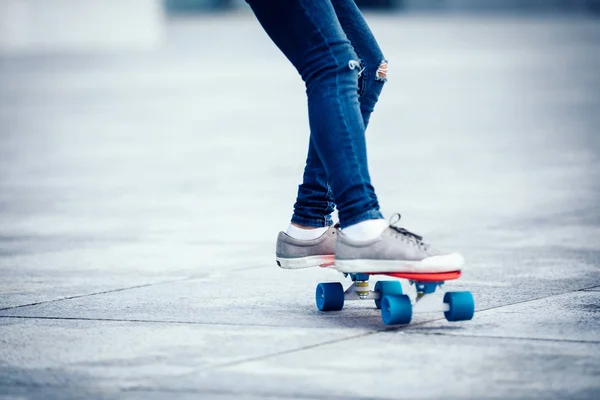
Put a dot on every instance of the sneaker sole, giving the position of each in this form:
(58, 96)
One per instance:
(445, 263)
(305, 262)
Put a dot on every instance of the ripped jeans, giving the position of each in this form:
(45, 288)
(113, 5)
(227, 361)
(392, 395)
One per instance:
(333, 49)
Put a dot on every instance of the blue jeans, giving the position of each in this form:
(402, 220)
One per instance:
(333, 49)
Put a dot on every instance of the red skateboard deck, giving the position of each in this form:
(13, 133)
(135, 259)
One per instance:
(420, 277)
(414, 276)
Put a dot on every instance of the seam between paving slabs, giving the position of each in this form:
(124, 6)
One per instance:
(153, 321)
(126, 288)
(260, 394)
(535, 339)
(90, 294)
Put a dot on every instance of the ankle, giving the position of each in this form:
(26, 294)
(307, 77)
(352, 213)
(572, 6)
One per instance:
(304, 227)
(305, 232)
(365, 230)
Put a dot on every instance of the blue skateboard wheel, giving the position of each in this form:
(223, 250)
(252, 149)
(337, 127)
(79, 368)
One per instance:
(386, 287)
(396, 309)
(330, 296)
(462, 306)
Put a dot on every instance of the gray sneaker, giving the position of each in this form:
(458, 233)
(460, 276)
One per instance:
(295, 253)
(396, 250)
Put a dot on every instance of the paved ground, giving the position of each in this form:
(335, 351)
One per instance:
(140, 195)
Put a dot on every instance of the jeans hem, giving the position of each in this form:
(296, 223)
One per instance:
(312, 222)
(371, 214)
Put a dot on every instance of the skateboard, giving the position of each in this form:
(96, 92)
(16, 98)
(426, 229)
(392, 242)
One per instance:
(396, 307)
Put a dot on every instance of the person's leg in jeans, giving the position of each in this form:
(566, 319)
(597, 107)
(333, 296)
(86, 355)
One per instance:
(310, 35)
(315, 201)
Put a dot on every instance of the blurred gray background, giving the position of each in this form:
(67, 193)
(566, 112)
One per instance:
(150, 152)
(411, 5)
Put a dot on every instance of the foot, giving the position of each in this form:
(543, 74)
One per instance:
(294, 253)
(396, 250)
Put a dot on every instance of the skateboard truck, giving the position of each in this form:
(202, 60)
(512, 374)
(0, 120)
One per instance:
(359, 289)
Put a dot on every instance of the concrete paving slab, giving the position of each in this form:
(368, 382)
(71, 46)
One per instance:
(265, 296)
(40, 276)
(34, 288)
(395, 365)
(83, 357)
(96, 357)
(571, 316)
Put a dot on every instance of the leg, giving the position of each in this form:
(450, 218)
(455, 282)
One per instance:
(310, 35)
(315, 201)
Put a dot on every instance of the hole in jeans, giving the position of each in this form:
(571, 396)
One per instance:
(381, 74)
(353, 64)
